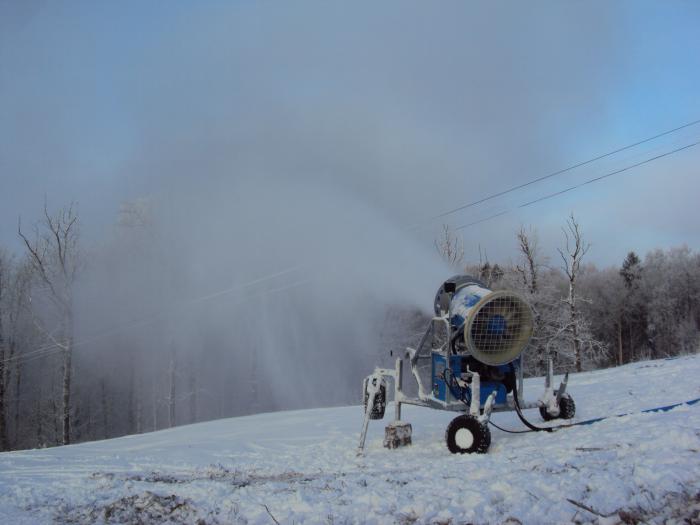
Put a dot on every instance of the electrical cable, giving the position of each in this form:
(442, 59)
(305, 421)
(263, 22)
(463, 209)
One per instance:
(55, 351)
(621, 170)
(461, 395)
(664, 408)
(152, 318)
(559, 172)
(39, 350)
(519, 412)
(576, 186)
(534, 428)
(510, 431)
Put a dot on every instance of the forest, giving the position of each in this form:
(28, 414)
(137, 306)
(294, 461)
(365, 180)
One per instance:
(88, 349)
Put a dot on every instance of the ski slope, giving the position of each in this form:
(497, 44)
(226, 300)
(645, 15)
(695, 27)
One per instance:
(301, 466)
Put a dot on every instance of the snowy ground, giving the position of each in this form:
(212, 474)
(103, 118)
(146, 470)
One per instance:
(301, 467)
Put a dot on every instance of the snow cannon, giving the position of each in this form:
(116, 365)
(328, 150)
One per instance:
(469, 360)
(495, 326)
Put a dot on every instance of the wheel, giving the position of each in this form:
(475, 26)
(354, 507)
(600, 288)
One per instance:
(465, 435)
(545, 415)
(567, 409)
(379, 405)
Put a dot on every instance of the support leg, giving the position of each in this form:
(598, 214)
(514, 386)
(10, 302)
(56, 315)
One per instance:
(397, 433)
(521, 381)
(562, 388)
(373, 383)
(488, 408)
(475, 405)
(549, 401)
(398, 385)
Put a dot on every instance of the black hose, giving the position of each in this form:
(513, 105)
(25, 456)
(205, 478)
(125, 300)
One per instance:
(461, 394)
(509, 431)
(519, 411)
(533, 428)
(456, 337)
(462, 397)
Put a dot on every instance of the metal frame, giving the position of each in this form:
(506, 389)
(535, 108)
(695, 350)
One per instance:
(549, 399)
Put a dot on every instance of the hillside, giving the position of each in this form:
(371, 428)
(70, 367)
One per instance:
(301, 466)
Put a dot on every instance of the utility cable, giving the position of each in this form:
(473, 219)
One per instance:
(152, 318)
(576, 186)
(28, 354)
(509, 431)
(561, 171)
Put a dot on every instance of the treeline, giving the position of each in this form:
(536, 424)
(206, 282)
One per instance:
(144, 330)
(587, 317)
(97, 343)
(85, 353)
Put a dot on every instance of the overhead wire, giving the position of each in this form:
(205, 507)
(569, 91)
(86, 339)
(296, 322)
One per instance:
(152, 318)
(565, 170)
(26, 354)
(576, 186)
(51, 349)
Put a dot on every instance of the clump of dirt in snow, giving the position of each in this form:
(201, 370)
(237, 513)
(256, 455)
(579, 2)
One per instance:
(671, 509)
(677, 507)
(236, 478)
(139, 509)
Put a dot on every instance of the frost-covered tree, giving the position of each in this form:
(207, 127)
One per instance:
(671, 284)
(4, 354)
(542, 296)
(54, 254)
(605, 307)
(631, 270)
(575, 326)
(450, 247)
(633, 325)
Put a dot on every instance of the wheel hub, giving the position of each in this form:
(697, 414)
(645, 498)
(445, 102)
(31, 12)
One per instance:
(464, 438)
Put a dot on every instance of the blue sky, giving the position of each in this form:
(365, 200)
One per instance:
(412, 108)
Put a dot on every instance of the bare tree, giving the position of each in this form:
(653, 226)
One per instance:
(105, 409)
(542, 299)
(572, 254)
(172, 387)
(530, 269)
(56, 260)
(19, 331)
(450, 247)
(254, 387)
(4, 274)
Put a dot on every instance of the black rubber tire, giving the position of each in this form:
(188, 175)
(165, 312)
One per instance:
(481, 436)
(567, 409)
(379, 405)
(545, 416)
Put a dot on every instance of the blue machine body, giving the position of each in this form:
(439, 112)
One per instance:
(440, 388)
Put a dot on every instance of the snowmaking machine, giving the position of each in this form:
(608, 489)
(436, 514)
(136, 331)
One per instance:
(469, 360)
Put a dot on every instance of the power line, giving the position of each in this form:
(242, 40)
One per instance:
(152, 318)
(576, 186)
(559, 172)
(53, 349)
(27, 354)
(27, 358)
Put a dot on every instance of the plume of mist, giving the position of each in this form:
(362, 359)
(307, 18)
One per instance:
(292, 144)
(279, 156)
(285, 280)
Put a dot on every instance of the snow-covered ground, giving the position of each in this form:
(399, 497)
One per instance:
(301, 466)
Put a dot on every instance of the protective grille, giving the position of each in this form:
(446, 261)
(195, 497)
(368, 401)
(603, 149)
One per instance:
(500, 329)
